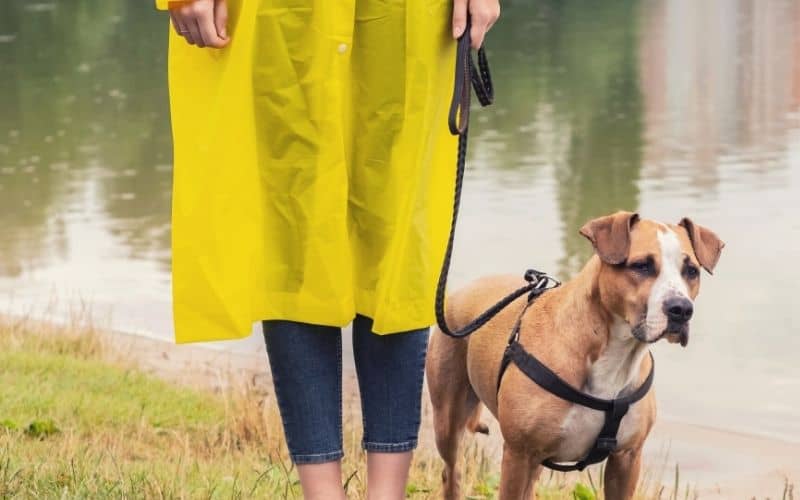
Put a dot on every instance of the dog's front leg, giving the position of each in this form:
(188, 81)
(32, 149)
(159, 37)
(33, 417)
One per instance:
(622, 474)
(518, 474)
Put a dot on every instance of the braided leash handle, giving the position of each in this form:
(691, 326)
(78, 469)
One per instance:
(466, 74)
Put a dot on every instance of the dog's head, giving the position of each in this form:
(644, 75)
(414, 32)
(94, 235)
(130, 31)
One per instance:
(650, 272)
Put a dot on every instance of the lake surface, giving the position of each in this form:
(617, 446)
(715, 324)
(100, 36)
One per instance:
(667, 107)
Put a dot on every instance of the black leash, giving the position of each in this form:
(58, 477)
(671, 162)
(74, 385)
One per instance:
(479, 78)
(466, 76)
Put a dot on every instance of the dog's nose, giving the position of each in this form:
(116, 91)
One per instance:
(678, 309)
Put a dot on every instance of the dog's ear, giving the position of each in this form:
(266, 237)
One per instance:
(611, 236)
(706, 244)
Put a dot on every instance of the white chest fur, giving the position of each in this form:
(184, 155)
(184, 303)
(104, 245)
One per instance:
(615, 369)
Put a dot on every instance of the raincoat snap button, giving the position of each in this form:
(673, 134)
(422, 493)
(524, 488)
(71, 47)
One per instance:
(342, 48)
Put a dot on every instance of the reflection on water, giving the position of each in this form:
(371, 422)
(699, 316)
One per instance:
(669, 107)
(82, 123)
(573, 83)
(85, 170)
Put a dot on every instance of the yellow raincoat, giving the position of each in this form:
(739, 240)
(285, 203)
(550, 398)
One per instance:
(313, 168)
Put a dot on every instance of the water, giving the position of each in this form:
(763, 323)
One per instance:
(668, 107)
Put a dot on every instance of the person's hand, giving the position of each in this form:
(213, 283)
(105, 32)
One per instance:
(201, 22)
(483, 14)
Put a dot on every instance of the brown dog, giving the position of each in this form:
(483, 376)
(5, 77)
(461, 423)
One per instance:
(593, 331)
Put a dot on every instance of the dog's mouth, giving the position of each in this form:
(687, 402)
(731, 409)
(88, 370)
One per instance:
(674, 338)
(674, 333)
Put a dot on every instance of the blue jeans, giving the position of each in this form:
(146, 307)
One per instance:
(306, 364)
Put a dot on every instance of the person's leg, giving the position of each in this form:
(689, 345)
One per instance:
(390, 369)
(306, 364)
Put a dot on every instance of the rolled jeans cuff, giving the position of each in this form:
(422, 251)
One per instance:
(317, 458)
(390, 447)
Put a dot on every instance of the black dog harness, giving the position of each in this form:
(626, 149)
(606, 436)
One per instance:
(480, 80)
(614, 409)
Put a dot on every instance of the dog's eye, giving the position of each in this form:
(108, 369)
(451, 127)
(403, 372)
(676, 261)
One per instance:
(691, 272)
(644, 267)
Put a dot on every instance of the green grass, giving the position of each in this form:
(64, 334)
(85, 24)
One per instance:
(90, 396)
(87, 429)
(74, 426)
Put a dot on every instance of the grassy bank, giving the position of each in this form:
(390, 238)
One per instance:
(79, 420)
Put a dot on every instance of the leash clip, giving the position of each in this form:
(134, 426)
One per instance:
(539, 282)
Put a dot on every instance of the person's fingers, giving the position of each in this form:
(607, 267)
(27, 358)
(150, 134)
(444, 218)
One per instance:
(185, 32)
(493, 19)
(194, 32)
(478, 30)
(195, 21)
(221, 19)
(178, 14)
(459, 17)
(476, 35)
(205, 22)
(183, 21)
(177, 23)
(483, 14)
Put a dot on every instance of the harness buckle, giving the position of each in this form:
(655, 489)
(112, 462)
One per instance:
(608, 444)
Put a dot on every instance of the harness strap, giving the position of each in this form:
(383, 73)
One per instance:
(614, 409)
(554, 384)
